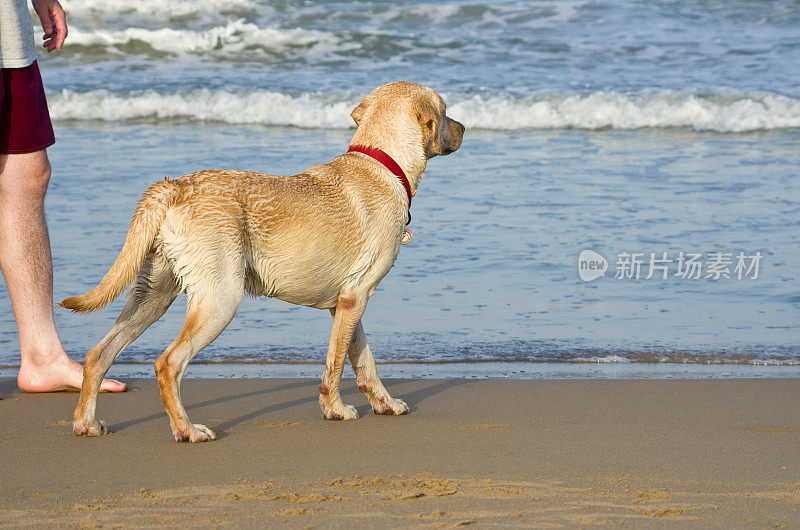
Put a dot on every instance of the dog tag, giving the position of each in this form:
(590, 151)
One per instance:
(407, 235)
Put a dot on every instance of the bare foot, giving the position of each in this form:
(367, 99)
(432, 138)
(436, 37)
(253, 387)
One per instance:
(59, 375)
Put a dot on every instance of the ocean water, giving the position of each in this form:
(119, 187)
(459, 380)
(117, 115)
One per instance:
(638, 130)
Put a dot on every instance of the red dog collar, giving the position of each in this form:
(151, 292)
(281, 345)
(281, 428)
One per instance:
(390, 164)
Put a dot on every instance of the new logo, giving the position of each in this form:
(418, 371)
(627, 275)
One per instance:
(591, 265)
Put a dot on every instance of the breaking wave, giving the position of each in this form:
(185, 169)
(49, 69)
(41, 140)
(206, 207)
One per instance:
(175, 8)
(234, 37)
(718, 111)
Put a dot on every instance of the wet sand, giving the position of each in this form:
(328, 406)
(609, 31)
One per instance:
(490, 452)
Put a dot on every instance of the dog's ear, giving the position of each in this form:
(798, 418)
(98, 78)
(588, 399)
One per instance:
(358, 112)
(429, 120)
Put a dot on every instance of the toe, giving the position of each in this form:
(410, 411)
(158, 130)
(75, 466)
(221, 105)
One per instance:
(206, 431)
(112, 385)
(400, 407)
(350, 412)
(391, 407)
(196, 433)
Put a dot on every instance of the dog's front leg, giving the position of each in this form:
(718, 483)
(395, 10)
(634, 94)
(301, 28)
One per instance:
(367, 376)
(346, 316)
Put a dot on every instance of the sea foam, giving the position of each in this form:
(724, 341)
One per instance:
(233, 37)
(720, 111)
(173, 8)
(256, 107)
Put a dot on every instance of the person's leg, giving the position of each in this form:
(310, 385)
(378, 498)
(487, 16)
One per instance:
(27, 267)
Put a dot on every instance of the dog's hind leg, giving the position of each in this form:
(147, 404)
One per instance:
(346, 316)
(367, 376)
(208, 312)
(153, 291)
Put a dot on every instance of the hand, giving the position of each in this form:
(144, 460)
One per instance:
(54, 23)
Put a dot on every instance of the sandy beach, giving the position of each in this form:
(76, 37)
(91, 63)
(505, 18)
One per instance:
(488, 453)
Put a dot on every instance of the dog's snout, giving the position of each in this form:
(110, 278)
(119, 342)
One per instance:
(456, 136)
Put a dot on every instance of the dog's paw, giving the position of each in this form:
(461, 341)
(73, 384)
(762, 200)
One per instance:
(89, 428)
(334, 409)
(390, 407)
(343, 412)
(194, 433)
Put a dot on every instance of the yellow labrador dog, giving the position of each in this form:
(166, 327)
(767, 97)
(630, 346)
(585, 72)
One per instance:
(323, 238)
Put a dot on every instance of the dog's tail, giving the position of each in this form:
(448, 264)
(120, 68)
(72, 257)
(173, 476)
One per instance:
(147, 219)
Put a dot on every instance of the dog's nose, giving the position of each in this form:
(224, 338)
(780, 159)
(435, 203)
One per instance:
(457, 135)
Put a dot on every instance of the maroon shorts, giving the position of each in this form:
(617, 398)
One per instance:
(24, 120)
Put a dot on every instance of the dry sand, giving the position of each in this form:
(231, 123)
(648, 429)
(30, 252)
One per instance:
(486, 453)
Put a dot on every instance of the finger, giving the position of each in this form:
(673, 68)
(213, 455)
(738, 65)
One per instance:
(61, 26)
(47, 25)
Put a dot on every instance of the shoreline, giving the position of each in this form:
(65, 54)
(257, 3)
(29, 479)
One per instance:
(469, 370)
(489, 452)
